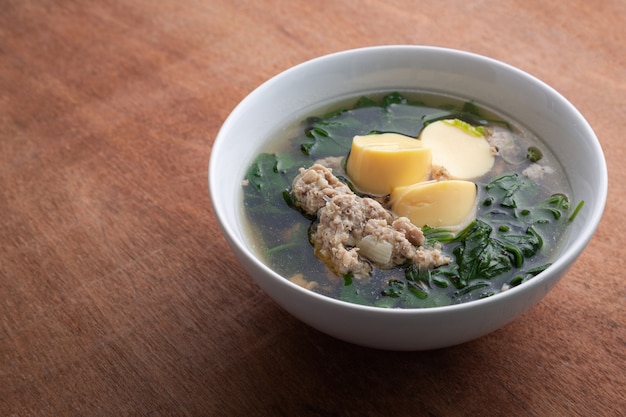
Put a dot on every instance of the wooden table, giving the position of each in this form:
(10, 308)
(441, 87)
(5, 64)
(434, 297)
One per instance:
(118, 294)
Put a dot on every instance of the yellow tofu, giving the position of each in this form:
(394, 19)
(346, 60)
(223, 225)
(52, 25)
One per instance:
(379, 163)
(447, 204)
(459, 148)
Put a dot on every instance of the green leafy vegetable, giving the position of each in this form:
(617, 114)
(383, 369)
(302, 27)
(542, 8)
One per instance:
(511, 227)
(483, 252)
(506, 189)
(393, 98)
(576, 210)
(534, 154)
(351, 292)
(266, 181)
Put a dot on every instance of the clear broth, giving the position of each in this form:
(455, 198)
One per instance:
(280, 233)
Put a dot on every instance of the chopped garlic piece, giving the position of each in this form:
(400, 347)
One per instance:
(377, 251)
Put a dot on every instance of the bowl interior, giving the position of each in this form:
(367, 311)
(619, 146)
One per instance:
(296, 92)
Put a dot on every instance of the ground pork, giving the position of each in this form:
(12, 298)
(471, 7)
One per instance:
(536, 172)
(313, 187)
(344, 220)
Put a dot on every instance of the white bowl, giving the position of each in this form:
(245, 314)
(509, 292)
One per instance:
(291, 94)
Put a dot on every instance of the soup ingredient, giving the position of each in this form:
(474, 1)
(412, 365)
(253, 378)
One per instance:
(458, 147)
(440, 204)
(314, 187)
(515, 235)
(380, 162)
(353, 232)
(534, 154)
(536, 171)
(511, 229)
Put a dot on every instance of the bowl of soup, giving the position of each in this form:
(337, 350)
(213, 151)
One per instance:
(406, 197)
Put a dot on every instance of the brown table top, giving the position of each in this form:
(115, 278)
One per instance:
(118, 294)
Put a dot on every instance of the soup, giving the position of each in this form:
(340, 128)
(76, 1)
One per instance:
(520, 212)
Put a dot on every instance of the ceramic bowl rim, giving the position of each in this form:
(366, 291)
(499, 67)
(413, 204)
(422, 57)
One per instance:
(568, 255)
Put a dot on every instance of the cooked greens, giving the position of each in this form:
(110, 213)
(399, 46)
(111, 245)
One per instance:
(510, 242)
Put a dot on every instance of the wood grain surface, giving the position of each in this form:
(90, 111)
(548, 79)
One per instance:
(120, 297)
